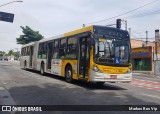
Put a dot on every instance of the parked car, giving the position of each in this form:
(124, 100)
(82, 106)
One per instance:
(5, 59)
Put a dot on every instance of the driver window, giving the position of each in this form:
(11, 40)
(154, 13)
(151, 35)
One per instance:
(122, 52)
(101, 49)
(117, 52)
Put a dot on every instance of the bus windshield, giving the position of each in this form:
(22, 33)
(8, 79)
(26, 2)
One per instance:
(111, 51)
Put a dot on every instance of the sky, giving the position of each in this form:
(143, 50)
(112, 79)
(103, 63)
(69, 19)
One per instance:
(54, 17)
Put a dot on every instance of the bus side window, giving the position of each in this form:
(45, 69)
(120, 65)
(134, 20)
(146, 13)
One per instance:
(42, 51)
(72, 48)
(44, 54)
(56, 50)
(28, 51)
(62, 49)
(39, 51)
(22, 52)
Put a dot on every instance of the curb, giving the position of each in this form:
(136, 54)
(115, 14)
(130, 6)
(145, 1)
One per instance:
(146, 75)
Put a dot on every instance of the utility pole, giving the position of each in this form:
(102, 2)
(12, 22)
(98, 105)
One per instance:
(17, 54)
(146, 38)
(125, 24)
(129, 31)
(156, 41)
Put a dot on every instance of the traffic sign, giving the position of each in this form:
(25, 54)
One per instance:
(8, 17)
(117, 60)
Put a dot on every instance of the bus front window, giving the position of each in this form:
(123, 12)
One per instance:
(111, 51)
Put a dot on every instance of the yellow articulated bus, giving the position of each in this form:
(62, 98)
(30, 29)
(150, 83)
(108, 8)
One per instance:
(96, 54)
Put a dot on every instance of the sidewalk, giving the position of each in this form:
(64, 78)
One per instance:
(146, 75)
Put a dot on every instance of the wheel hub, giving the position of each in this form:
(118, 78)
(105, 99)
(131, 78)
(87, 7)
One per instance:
(68, 74)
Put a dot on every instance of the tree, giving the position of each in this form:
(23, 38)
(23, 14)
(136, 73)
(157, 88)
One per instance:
(29, 36)
(2, 53)
(11, 52)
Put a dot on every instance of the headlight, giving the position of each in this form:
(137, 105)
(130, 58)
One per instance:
(95, 68)
(128, 71)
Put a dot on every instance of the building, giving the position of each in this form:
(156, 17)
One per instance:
(143, 55)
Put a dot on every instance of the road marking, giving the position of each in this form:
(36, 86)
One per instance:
(151, 95)
(146, 87)
(146, 84)
(145, 81)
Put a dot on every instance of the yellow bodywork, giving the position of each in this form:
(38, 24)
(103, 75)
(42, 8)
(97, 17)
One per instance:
(82, 30)
(74, 64)
(112, 69)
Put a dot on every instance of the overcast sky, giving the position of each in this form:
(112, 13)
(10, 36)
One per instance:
(54, 17)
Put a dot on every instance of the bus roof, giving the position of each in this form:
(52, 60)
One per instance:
(85, 29)
(49, 39)
(30, 44)
(74, 32)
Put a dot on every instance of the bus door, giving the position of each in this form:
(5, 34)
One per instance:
(84, 56)
(31, 56)
(49, 55)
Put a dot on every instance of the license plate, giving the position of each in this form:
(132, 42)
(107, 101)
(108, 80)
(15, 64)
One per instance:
(113, 76)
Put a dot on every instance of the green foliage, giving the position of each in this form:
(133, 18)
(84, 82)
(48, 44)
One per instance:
(2, 53)
(11, 52)
(29, 36)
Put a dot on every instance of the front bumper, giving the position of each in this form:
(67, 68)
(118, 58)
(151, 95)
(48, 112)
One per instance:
(101, 77)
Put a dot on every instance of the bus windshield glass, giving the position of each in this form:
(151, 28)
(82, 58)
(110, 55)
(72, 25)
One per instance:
(111, 51)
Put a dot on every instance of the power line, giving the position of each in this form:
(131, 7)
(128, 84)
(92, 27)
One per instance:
(141, 38)
(134, 37)
(144, 14)
(10, 3)
(123, 13)
(137, 38)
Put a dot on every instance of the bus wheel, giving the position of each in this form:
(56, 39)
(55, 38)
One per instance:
(100, 83)
(25, 65)
(42, 69)
(68, 74)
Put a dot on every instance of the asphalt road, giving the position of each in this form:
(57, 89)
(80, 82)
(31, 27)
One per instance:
(20, 87)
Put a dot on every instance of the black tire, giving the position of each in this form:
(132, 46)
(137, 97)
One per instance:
(25, 65)
(42, 69)
(68, 74)
(100, 83)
